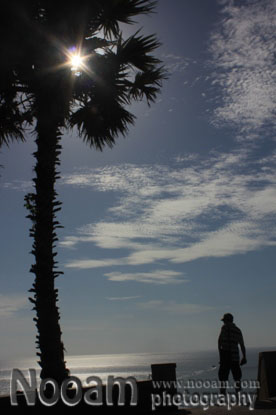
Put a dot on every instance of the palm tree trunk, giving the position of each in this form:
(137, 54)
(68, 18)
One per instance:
(43, 209)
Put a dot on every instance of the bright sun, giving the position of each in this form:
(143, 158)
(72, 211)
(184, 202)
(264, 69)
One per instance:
(76, 62)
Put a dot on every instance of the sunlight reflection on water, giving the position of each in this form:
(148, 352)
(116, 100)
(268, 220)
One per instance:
(192, 365)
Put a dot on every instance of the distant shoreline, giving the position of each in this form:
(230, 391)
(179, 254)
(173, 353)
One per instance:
(253, 348)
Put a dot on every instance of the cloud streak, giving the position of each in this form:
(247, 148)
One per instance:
(163, 214)
(123, 298)
(12, 304)
(174, 308)
(155, 277)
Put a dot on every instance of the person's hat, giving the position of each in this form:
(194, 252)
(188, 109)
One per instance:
(228, 317)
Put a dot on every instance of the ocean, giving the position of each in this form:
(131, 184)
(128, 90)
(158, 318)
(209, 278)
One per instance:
(193, 369)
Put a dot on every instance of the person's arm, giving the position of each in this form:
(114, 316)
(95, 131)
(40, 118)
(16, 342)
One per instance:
(220, 340)
(243, 350)
(219, 344)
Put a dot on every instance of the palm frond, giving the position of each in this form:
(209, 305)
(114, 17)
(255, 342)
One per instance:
(104, 80)
(135, 51)
(115, 11)
(95, 42)
(147, 84)
(11, 125)
(100, 123)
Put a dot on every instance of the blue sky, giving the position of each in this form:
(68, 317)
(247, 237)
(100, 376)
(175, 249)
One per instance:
(175, 225)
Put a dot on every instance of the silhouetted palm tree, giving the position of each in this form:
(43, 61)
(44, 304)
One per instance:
(41, 86)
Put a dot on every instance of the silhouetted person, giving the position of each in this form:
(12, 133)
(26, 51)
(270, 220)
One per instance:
(228, 344)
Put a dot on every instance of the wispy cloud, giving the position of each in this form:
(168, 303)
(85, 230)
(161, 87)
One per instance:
(94, 263)
(123, 298)
(175, 308)
(155, 277)
(175, 63)
(196, 208)
(243, 50)
(22, 185)
(11, 304)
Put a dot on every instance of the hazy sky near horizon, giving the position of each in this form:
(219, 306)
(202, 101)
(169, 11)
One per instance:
(175, 225)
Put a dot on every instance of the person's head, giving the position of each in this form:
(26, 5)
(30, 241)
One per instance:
(227, 318)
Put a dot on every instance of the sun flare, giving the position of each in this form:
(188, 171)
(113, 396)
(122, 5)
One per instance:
(76, 62)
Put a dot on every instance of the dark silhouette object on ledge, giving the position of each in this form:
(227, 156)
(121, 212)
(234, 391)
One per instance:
(267, 379)
(166, 373)
(229, 340)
